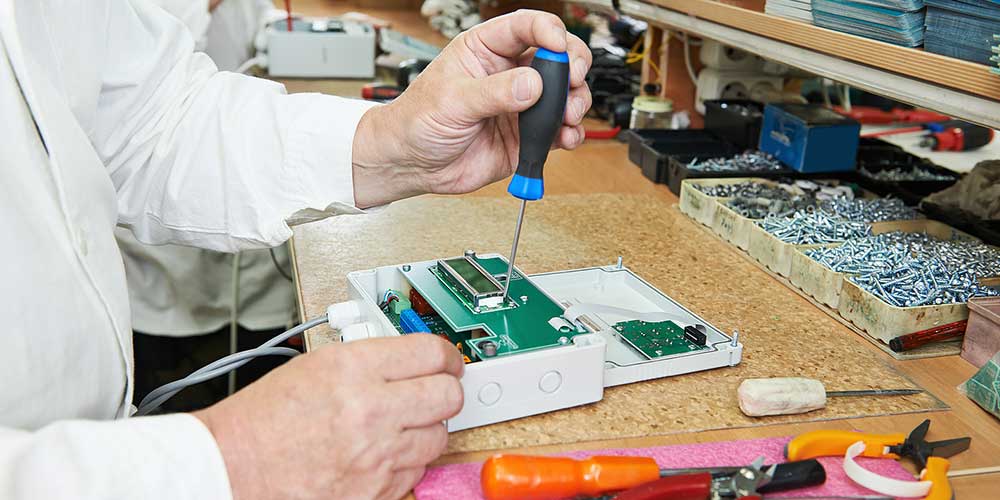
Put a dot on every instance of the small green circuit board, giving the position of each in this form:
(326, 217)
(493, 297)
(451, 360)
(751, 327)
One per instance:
(523, 328)
(656, 340)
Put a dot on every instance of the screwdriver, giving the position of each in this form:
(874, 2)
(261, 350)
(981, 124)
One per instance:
(537, 127)
(760, 397)
(524, 477)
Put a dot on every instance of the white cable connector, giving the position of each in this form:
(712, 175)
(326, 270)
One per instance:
(343, 314)
(357, 331)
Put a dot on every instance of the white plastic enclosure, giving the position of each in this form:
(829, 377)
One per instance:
(522, 384)
(308, 52)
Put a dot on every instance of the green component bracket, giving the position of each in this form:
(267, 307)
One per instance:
(513, 329)
(656, 340)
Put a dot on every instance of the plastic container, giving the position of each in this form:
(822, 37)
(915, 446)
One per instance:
(875, 155)
(810, 138)
(678, 171)
(651, 112)
(702, 207)
(683, 146)
(982, 335)
(636, 138)
(986, 230)
(735, 120)
(825, 284)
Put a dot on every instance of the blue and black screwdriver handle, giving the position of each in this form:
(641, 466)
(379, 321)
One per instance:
(537, 127)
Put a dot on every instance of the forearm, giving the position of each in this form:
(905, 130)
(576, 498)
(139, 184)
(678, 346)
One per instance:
(380, 170)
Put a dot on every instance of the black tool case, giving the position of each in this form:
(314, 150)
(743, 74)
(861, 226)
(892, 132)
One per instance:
(735, 120)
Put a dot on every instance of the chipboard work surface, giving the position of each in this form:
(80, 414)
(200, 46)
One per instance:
(519, 329)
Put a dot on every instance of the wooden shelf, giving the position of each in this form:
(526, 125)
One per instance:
(952, 86)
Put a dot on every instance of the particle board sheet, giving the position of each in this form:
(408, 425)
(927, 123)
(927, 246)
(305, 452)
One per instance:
(783, 334)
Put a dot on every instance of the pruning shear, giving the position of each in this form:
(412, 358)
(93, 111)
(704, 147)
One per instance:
(929, 456)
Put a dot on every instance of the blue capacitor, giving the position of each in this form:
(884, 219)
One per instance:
(410, 322)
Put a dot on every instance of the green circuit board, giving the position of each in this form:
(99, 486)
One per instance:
(438, 326)
(514, 328)
(656, 340)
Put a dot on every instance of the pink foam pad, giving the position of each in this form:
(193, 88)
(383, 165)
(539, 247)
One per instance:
(462, 480)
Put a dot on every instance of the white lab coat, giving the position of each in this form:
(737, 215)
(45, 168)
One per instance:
(178, 291)
(107, 117)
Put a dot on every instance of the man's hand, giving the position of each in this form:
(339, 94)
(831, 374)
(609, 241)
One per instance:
(357, 420)
(454, 130)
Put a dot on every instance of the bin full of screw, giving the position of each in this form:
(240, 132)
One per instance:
(909, 270)
(748, 161)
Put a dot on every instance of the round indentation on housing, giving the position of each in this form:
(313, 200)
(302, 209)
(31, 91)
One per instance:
(490, 394)
(550, 382)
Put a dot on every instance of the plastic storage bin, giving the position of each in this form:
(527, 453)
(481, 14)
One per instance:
(735, 120)
(810, 138)
(982, 335)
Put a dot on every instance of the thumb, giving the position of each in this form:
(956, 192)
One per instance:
(509, 91)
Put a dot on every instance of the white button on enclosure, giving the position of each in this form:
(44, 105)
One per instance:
(490, 394)
(550, 382)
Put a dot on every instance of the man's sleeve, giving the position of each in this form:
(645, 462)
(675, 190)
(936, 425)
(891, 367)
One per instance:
(207, 158)
(194, 14)
(171, 457)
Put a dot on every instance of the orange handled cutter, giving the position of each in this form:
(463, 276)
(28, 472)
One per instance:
(929, 456)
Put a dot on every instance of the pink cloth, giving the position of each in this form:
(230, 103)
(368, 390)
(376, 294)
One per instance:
(461, 481)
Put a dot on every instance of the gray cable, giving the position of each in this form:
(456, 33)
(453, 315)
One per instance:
(161, 394)
(165, 392)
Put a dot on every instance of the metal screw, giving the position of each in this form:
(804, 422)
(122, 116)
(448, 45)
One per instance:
(489, 348)
(563, 340)
(524, 299)
(749, 161)
(406, 268)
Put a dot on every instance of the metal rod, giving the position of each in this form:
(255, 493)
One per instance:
(875, 392)
(513, 251)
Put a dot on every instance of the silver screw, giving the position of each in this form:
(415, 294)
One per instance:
(406, 268)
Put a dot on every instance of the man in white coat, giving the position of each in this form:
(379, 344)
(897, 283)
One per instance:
(109, 118)
(184, 299)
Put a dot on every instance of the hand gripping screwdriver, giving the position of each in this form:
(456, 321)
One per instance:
(537, 126)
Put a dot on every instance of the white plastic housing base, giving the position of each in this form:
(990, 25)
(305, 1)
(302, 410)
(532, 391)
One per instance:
(514, 386)
(320, 54)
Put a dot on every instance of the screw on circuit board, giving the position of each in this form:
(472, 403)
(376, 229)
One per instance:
(524, 299)
(563, 340)
(470, 253)
(406, 268)
(489, 348)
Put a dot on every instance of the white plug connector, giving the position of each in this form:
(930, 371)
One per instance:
(343, 314)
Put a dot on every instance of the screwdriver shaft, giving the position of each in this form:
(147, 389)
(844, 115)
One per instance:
(875, 392)
(513, 251)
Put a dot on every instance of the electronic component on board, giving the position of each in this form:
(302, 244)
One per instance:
(467, 278)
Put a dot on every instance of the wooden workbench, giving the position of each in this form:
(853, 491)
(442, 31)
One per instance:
(602, 167)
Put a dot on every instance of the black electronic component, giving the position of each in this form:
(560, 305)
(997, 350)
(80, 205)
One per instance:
(695, 334)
